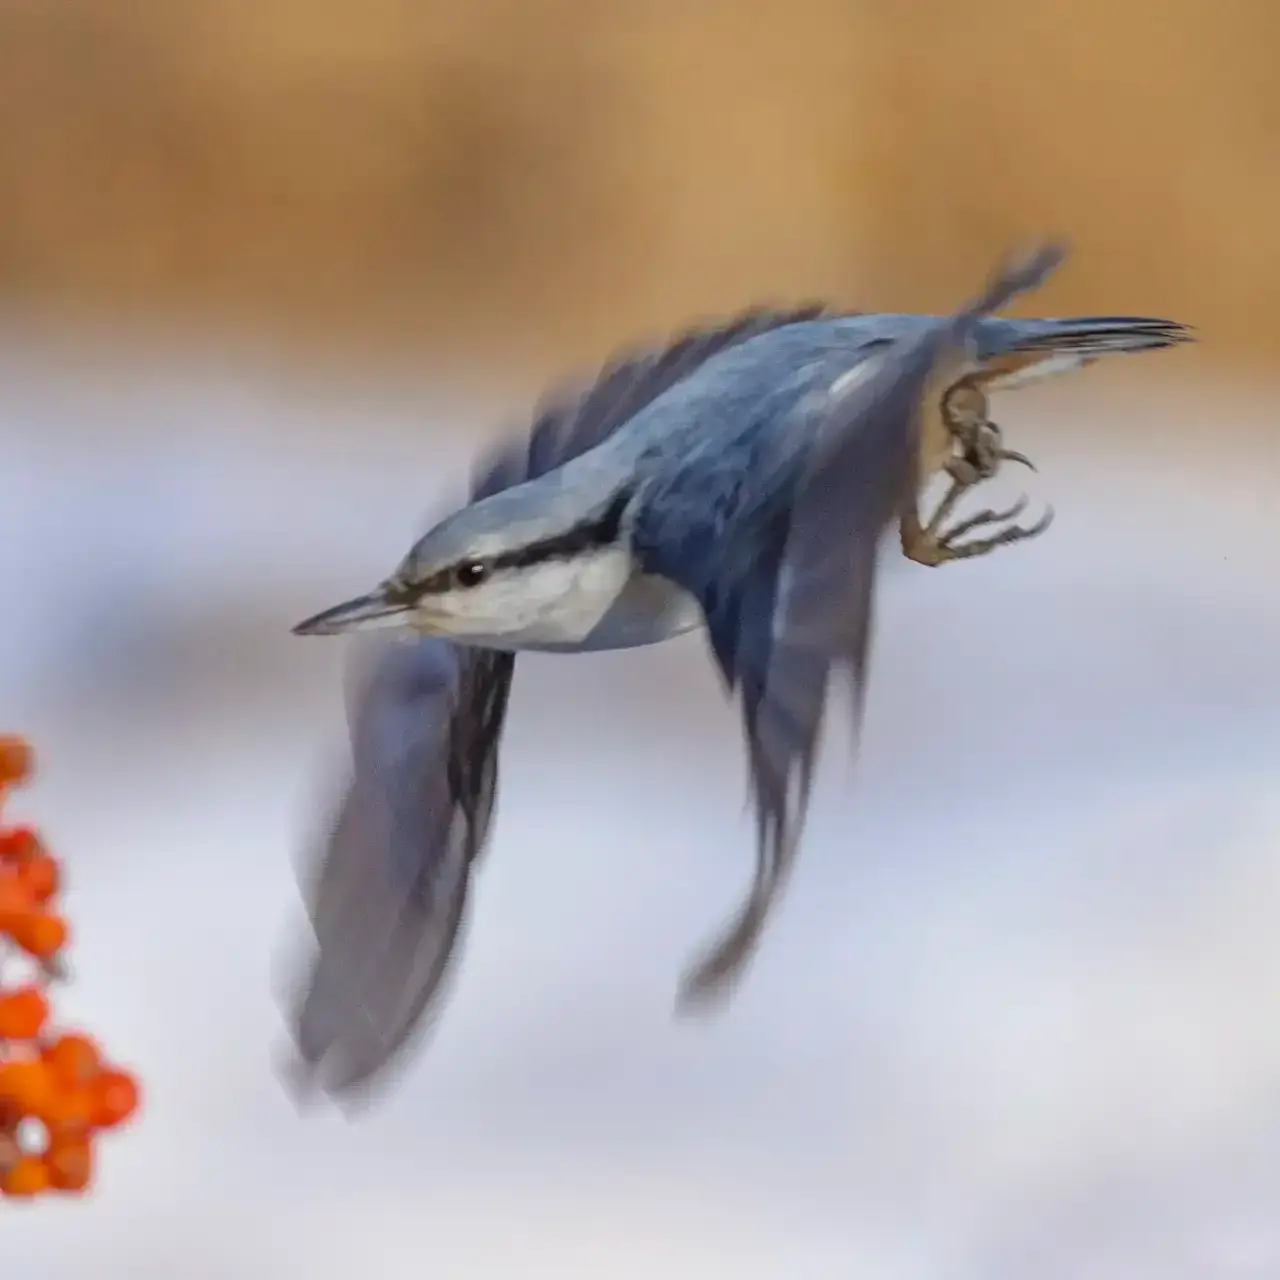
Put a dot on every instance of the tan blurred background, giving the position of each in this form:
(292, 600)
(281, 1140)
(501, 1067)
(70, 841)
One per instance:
(269, 269)
(549, 177)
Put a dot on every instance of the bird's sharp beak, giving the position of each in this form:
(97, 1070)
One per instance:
(380, 608)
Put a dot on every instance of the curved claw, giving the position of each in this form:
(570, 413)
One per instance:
(1040, 525)
(982, 519)
(1012, 455)
(1012, 513)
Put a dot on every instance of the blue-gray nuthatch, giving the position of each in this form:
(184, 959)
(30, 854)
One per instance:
(738, 479)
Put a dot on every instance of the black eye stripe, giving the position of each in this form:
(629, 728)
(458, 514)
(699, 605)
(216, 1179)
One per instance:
(599, 531)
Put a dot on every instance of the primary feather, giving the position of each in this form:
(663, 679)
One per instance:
(388, 897)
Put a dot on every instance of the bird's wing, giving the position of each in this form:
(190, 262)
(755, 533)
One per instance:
(388, 890)
(388, 887)
(575, 419)
(783, 564)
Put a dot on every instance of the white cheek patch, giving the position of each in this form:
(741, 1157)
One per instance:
(571, 596)
(559, 601)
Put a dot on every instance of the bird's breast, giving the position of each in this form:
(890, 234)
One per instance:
(647, 610)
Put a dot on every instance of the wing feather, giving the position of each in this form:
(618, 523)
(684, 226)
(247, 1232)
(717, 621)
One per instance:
(387, 892)
(388, 897)
(788, 592)
(575, 419)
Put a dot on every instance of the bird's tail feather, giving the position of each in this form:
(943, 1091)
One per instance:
(1015, 352)
(1092, 336)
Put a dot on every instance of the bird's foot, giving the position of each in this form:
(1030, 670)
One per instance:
(934, 547)
(930, 544)
(978, 442)
(980, 451)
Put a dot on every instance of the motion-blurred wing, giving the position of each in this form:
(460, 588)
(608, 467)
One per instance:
(783, 563)
(576, 419)
(388, 893)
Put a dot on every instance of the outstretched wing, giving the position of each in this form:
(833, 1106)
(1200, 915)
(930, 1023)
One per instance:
(781, 555)
(576, 419)
(388, 890)
(388, 895)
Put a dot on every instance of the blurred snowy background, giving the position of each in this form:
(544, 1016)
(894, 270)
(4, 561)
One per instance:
(1019, 1018)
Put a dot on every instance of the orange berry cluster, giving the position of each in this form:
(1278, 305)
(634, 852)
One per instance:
(57, 1084)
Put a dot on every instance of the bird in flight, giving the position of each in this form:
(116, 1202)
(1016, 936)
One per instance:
(738, 480)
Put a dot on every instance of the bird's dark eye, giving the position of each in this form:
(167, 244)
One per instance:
(470, 573)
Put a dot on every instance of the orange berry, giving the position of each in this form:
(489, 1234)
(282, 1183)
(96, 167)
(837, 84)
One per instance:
(10, 1151)
(39, 933)
(23, 1014)
(17, 844)
(26, 1083)
(70, 1161)
(15, 899)
(17, 760)
(68, 1111)
(74, 1060)
(29, 1177)
(115, 1095)
(40, 876)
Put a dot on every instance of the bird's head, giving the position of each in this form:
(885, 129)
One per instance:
(520, 565)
